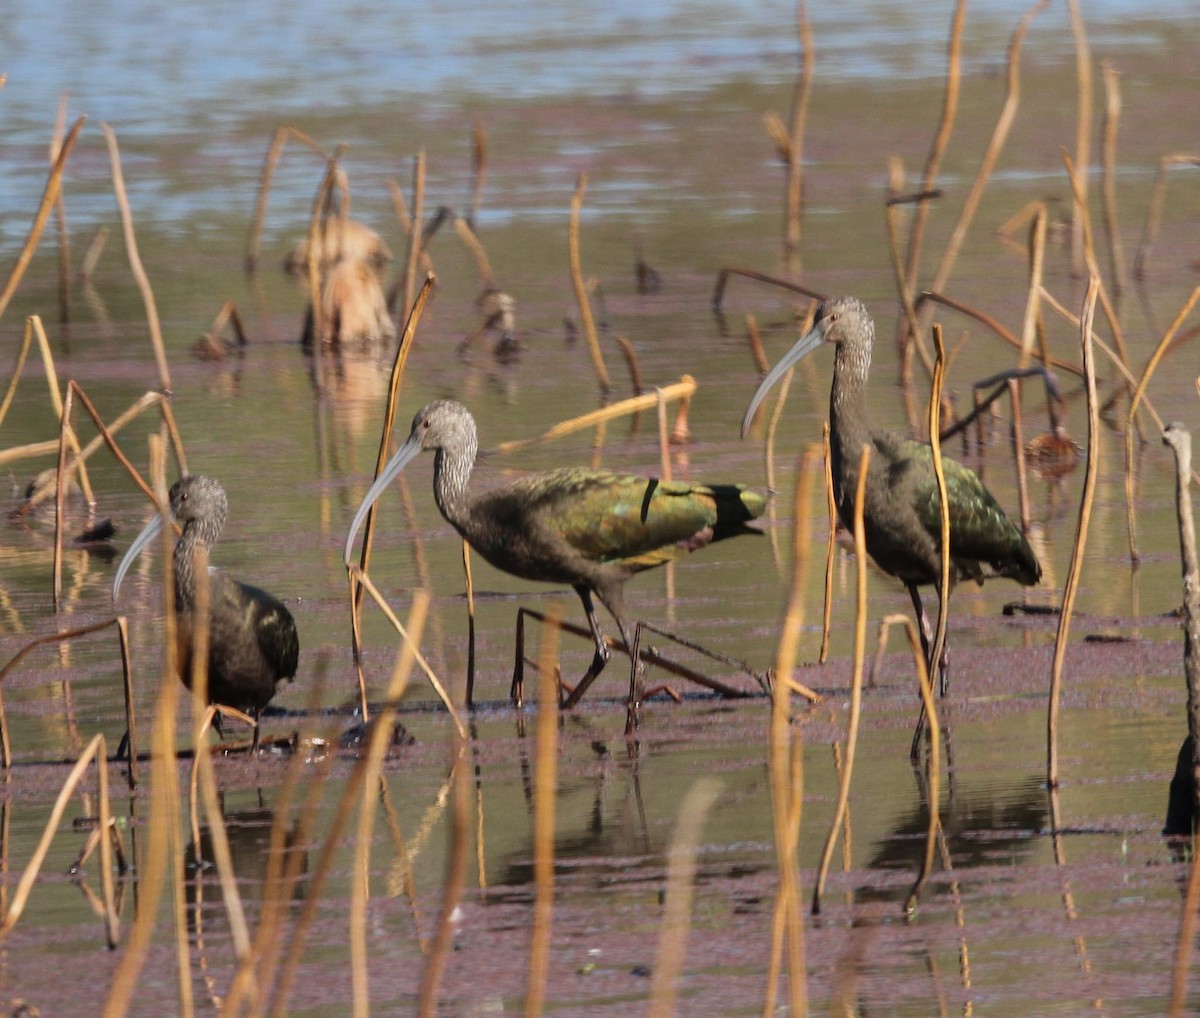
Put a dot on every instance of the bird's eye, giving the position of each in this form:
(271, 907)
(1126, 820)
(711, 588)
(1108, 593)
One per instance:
(832, 318)
(425, 425)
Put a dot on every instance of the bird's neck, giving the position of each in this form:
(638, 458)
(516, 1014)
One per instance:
(451, 479)
(196, 537)
(850, 428)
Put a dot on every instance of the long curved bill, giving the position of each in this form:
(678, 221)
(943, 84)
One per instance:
(397, 463)
(148, 534)
(804, 345)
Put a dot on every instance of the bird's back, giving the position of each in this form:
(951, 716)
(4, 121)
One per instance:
(602, 517)
(253, 644)
(904, 519)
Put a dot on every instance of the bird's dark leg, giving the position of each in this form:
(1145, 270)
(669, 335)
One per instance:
(602, 651)
(637, 674)
(926, 629)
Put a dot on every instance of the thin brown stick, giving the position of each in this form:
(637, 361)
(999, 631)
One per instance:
(49, 197)
(1083, 132)
(581, 297)
(718, 295)
(860, 642)
(135, 261)
(545, 788)
(478, 170)
(681, 876)
(794, 195)
(1112, 120)
(1071, 586)
(415, 231)
(274, 151)
(1153, 215)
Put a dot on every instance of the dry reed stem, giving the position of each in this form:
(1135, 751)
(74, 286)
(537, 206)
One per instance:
(794, 193)
(130, 711)
(891, 216)
(274, 151)
(95, 751)
(664, 442)
(162, 823)
(1033, 304)
(1135, 400)
(400, 209)
(478, 170)
(933, 162)
(60, 210)
(1083, 133)
(1185, 939)
(786, 802)
(830, 546)
(381, 458)
(677, 910)
(1179, 439)
(1014, 394)
(631, 362)
(685, 387)
(452, 887)
(999, 136)
(718, 294)
(1112, 120)
(1153, 215)
(986, 320)
(581, 297)
(545, 787)
(68, 634)
(756, 347)
(358, 576)
(49, 196)
(135, 260)
(415, 232)
(316, 231)
(92, 256)
(472, 244)
(860, 641)
(929, 713)
(1071, 587)
(939, 473)
(376, 749)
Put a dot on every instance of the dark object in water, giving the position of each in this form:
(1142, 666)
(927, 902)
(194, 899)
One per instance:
(901, 514)
(1181, 798)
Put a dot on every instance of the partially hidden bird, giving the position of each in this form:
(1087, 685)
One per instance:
(591, 529)
(253, 648)
(901, 512)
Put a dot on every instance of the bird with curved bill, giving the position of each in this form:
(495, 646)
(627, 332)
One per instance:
(591, 529)
(902, 509)
(253, 648)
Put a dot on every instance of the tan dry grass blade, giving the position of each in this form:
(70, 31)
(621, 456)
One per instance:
(1153, 215)
(683, 389)
(860, 640)
(677, 910)
(49, 197)
(1083, 134)
(381, 458)
(581, 297)
(831, 515)
(545, 790)
(415, 233)
(1112, 120)
(939, 473)
(372, 764)
(274, 151)
(95, 751)
(718, 294)
(135, 260)
(1071, 587)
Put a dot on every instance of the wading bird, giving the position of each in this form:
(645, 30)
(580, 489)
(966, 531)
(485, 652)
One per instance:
(253, 648)
(901, 514)
(592, 529)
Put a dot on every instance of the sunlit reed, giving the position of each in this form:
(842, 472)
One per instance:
(1071, 586)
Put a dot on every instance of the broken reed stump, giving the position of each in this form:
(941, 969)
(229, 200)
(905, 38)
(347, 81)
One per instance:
(1179, 439)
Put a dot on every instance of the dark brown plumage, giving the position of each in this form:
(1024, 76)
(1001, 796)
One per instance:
(901, 516)
(253, 645)
(592, 529)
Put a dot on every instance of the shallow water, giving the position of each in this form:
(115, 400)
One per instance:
(663, 112)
